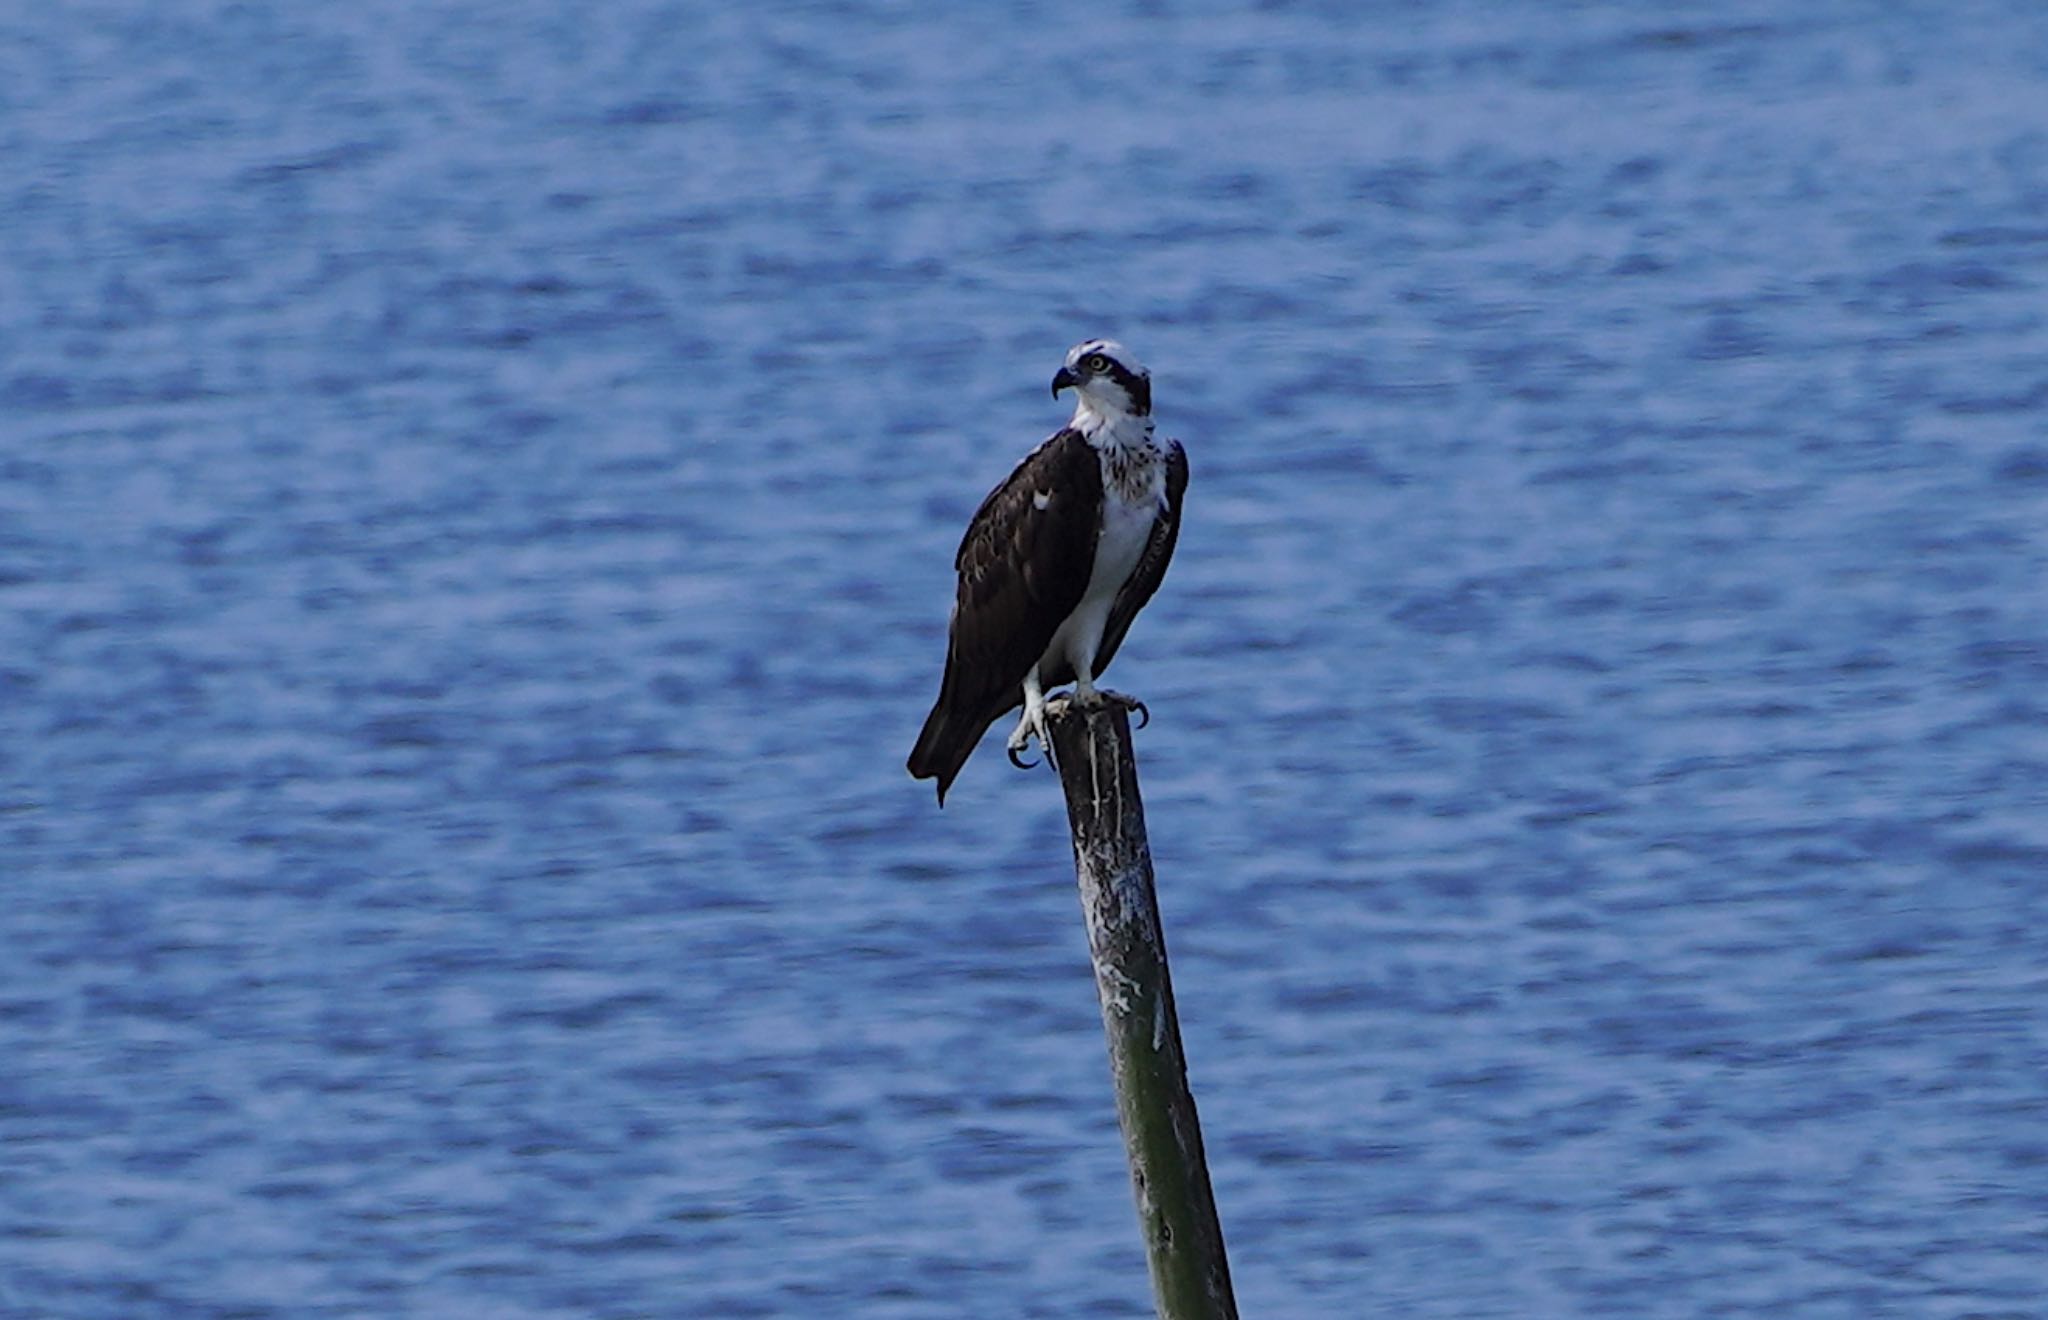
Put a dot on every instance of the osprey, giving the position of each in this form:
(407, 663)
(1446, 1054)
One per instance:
(1056, 563)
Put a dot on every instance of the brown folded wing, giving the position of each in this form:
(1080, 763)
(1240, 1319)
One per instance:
(1023, 567)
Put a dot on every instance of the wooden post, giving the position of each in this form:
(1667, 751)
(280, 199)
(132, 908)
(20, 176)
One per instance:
(1162, 1137)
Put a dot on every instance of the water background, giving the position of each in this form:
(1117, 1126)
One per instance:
(478, 485)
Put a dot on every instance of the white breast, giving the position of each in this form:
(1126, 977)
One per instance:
(1126, 527)
(1133, 497)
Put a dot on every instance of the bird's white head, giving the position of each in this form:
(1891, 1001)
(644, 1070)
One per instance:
(1109, 384)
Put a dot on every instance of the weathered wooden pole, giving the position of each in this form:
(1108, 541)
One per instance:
(1162, 1137)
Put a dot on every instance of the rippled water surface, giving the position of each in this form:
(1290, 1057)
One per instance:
(477, 493)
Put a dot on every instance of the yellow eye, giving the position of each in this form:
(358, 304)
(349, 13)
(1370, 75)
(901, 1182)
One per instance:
(1095, 362)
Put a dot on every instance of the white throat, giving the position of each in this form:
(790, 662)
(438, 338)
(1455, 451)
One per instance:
(1109, 428)
(1133, 467)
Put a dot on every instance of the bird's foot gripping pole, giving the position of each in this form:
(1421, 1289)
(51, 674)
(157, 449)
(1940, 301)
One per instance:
(1095, 698)
(1038, 715)
(1031, 725)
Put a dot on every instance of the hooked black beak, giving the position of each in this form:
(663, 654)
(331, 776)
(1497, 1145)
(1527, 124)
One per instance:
(1064, 380)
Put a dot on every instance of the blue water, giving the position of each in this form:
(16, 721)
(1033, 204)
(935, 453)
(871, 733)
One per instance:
(477, 491)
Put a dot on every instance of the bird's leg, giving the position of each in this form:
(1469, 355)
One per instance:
(1086, 694)
(1031, 724)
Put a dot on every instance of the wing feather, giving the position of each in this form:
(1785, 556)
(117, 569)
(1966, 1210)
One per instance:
(1023, 566)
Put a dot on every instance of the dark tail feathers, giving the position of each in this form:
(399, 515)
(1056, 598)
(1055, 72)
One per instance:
(942, 749)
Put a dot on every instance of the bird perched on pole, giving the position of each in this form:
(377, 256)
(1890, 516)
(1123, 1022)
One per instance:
(1056, 563)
